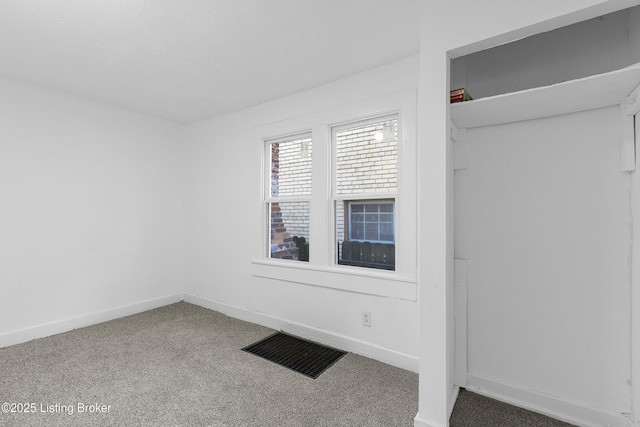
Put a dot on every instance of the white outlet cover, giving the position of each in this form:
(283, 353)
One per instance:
(366, 318)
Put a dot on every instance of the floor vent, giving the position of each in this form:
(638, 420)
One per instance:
(302, 356)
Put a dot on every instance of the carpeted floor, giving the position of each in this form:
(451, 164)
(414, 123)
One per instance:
(473, 410)
(181, 365)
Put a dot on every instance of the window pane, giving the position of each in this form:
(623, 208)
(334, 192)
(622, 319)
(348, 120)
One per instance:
(371, 217)
(356, 231)
(365, 236)
(386, 217)
(366, 158)
(291, 167)
(371, 232)
(289, 224)
(386, 232)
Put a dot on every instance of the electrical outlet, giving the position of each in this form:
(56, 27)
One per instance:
(366, 318)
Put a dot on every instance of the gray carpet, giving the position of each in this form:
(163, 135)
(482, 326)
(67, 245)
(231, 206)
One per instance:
(473, 410)
(181, 365)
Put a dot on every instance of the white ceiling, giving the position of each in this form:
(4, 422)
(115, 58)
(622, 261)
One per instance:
(187, 60)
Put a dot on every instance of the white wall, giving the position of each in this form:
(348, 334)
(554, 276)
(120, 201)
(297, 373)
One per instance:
(542, 218)
(223, 185)
(590, 47)
(91, 217)
(478, 25)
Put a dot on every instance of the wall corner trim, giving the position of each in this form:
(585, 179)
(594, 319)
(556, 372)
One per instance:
(628, 142)
(457, 134)
(460, 321)
(459, 155)
(458, 137)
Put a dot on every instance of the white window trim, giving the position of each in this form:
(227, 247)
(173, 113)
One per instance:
(322, 268)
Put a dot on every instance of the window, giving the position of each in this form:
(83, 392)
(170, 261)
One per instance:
(288, 196)
(339, 193)
(366, 180)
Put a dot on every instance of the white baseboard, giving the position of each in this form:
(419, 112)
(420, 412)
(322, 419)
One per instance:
(60, 326)
(453, 396)
(391, 357)
(233, 311)
(418, 421)
(552, 406)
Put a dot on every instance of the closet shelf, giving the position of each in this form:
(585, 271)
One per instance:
(597, 91)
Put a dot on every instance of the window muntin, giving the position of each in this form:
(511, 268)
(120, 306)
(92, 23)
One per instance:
(288, 197)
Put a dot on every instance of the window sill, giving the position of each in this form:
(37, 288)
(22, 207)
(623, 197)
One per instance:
(344, 278)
